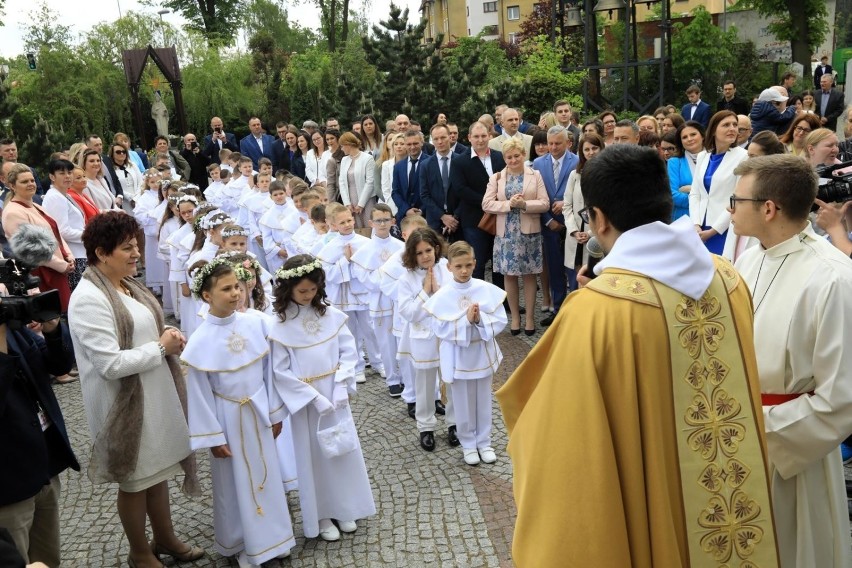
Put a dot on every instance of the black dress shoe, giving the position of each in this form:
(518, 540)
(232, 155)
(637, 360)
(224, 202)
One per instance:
(427, 441)
(548, 320)
(515, 331)
(440, 408)
(451, 436)
(395, 390)
(412, 408)
(530, 332)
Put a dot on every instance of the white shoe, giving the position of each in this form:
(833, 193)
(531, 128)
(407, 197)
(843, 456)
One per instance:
(360, 378)
(471, 457)
(243, 561)
(348, 526)
(285, 554)
(329, 533)
(487, 454)
(381, 370)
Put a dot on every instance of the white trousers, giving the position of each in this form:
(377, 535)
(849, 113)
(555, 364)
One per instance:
(472, 398)
(388, 347)
(407, 372)
(426, 393)
(359, 324)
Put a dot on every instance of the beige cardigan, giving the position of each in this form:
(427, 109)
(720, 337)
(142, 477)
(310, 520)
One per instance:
(535, 194)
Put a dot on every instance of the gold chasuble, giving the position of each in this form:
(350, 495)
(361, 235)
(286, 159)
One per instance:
(635, 431)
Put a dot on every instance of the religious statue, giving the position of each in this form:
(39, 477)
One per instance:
(160, 114)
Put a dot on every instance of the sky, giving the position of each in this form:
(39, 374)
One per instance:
(96, 11)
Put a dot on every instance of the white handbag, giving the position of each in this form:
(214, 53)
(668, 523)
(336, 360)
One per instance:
(337, 440)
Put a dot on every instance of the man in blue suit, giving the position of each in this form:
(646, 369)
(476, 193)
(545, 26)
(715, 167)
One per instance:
(696, 109)
(256, 144)
(218, 140)
(555, 167)
(406, 178)
(435, 184)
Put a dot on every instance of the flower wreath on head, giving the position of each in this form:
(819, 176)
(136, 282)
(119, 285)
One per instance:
(149, 175)
(178, 199)
(165, 183)
(243, 273)
(299, 271)
(235, 231)
(214, 219)
(247, 263)
(204, 272)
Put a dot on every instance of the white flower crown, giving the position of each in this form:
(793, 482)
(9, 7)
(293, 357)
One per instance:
(211, 221)
(178, 199)
(204, 272)
(299, 271)
(235, 231)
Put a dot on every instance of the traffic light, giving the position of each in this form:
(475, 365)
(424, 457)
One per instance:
(31, 62)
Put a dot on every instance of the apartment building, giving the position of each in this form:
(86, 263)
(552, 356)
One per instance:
(495, 19)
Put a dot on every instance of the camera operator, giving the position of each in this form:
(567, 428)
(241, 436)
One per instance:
(33, 437)
(196, 159)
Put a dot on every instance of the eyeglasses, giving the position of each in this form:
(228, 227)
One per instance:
(584, 214)
(801, 129)
(668, 149)
(383, 221)
(733, 201)
(606, 122)
(122, 152)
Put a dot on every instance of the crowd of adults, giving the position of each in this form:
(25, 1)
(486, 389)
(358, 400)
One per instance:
(514, 194)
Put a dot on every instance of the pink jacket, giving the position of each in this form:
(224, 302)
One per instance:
(535, 194)
(15, 215)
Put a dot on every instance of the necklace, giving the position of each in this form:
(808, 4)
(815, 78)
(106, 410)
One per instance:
(235, 342)
(766, 292)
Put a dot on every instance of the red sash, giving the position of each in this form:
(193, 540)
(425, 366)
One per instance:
(773, 399)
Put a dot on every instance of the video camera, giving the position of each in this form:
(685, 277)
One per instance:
(18, 308)
(839, 188)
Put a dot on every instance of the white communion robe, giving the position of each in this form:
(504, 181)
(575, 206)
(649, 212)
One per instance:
(803, 311)
(178, 256)
(418, 342)
(274, 236)
(366, 264)
(389, 276)
(232, 401)
(468, 351)
(312, 356)
(155, 268)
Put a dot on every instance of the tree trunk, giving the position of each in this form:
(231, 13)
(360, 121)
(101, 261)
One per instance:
(345, 34)
(332, 27)
(799, 46)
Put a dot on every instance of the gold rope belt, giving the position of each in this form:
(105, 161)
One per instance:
(243, 402)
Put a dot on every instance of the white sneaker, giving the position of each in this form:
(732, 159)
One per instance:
(487, 454)
(329, 533)
(360, 378)
(348, 526)
(243, 561)
(381, 370)
(471, 457)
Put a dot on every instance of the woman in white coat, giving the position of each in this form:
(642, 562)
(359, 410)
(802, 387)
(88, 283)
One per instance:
(394, 151)
(576, 231)
(355, 180)
(714, 181)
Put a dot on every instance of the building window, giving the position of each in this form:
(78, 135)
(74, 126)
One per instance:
(513, 13)
(489, 7)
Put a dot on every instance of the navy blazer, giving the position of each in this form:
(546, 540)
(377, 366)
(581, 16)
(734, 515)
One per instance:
(32, 457)
(833, 110)
(249, 147)
(211, 150)
(702, 113)
(432, 190)
(403, 196)
(555, 188)
(460, 148)
(468, 180)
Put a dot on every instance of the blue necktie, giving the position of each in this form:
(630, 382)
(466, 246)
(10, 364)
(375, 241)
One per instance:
(412, 178)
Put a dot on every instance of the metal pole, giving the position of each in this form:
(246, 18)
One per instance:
(625, 75)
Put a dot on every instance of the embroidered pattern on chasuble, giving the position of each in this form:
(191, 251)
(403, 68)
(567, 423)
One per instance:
(724, 483)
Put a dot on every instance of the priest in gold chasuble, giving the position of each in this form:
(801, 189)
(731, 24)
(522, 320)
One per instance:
(635, 425)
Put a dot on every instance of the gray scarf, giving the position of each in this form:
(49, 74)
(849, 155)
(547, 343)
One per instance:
(116, 449)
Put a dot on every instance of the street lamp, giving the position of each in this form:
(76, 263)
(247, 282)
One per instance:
(162, 13)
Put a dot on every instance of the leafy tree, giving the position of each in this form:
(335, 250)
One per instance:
(268, 63)
(217, 20)
(271, 17)
(804, 23)
(106, 41)
(44, 30)
(705, 53)
(39, 145)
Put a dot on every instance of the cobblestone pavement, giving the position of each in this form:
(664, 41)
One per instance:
(432, 509)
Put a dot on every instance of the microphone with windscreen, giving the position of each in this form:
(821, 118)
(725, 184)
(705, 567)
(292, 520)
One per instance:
(596, 253)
